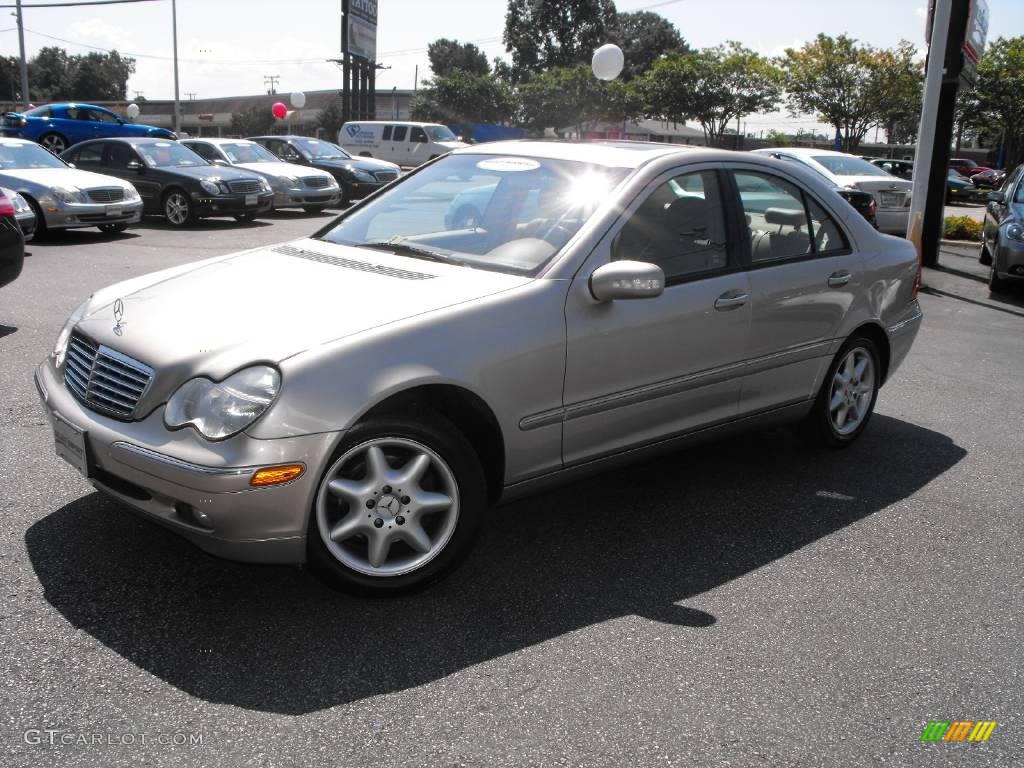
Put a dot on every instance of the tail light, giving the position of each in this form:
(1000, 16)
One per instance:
(872, 207)
(6, 208)
(917, 281)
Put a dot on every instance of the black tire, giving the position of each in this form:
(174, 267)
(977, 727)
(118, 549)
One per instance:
(996, 284)
(183, 213)
(314, 208)
(444, 439)
(111, 228)
(345, 198)
(985, 256)
(54, 142)
(818, 427)
(245, 218)
(465, 217)
(41, 230)
(365, 154)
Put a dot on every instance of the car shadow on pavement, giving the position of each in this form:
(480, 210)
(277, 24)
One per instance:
(82, 236)
(202, 225)
(638, 541)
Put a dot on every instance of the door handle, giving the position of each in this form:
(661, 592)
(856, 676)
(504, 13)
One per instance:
(731, 300)
(839, 279)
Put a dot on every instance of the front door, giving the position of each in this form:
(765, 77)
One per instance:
(804, 278)
(116, 160)
(642, 370)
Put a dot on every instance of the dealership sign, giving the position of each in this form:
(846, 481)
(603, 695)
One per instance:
(362, 28)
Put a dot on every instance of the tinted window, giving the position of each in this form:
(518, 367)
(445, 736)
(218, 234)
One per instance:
(39, 112)
(168, 154)
(387, 133)
(91, 155)
(205, 151)
(828, 235)
(399, 134)
(680, 227)
(775, 215)
(848, 165)
(418, 134)
(99, 116)
(118, 155)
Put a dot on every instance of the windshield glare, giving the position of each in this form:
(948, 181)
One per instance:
(248, 152)
(14, 155)
(314, 149)
(497, 212)
(168, 154)
(849, 166)
(440, 133)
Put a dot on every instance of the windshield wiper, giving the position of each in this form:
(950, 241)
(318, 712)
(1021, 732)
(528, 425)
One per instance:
(404, 249)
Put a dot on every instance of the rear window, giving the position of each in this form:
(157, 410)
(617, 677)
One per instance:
(39, 112)
(842, 165)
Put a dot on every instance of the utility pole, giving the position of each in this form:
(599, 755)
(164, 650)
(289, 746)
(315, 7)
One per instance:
(177, 101)
(139, 94)
(24, 61)
(271, 82)
(191, 96)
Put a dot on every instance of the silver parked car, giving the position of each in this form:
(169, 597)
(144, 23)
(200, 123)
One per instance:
(63, 197)
(362, 407)
(295, 186)
(1002, 237)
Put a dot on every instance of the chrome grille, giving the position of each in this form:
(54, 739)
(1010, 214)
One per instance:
(245, 186)
(111, 195)
(316, 182)
(104, 380)
(385, 176)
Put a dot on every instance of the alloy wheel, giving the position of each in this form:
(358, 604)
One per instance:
(852, 389)
(54, 142)
(387, 507)
(176, 208)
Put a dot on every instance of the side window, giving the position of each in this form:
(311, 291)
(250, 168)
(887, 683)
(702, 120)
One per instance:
(100, 116)
(75, 113)
(399, 134)
(89, 156)
(418, 134)
(776, 217)
(205, 151)
(387, 133)
(828, 235)
(680, 227)
(119, 155)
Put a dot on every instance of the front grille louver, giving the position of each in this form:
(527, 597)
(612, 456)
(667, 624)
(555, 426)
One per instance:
(103, 379)
(361, 266)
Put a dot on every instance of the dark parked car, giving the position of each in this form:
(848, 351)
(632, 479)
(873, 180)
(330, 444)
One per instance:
(174, 181)
(904, 169)
(1002, 237)
(990, 179)
(966, 166)
(12, 243)
(58, 126)
(958, 186)
(358, 176)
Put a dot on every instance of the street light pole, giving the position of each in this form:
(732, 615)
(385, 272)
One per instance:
(177, 108)
(24, 61)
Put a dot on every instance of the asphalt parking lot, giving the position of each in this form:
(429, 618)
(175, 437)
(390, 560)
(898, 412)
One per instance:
(751, 603)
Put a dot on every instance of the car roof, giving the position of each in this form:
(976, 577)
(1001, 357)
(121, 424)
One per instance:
(217, 140)
(619, 154)
(133, 140)
(806, 151)
(287, 137)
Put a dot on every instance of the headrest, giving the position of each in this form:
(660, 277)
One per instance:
(785, 216)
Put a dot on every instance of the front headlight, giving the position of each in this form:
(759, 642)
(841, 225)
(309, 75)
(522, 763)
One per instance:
(210, 186)
(264, 185)
(221, 409)
(289, 182)
(1015, 232)
(360, 175)
(60, 347)
(68, 195)
(131, 194)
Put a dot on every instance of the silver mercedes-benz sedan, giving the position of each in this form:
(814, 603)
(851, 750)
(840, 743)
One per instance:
(63, 197)
(357, 399)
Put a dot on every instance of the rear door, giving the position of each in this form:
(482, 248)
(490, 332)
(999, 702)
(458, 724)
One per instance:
(399, 147)
(804, 277)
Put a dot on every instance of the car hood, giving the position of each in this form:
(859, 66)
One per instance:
(270, 168)
(451, 144)
(362, 163)
(61, 177)
(271, 303)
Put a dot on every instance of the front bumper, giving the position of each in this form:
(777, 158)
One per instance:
(1008, 259)
(231, 205)
(197, 488)
(356, 190)
(300, 198)
(63, 216)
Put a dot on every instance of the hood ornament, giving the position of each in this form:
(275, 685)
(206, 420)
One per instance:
(119, 317)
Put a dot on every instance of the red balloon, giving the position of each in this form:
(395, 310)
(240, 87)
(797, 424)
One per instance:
(279, 110)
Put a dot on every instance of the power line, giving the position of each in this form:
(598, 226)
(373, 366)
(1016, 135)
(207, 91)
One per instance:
(271, 80)
(80, 2)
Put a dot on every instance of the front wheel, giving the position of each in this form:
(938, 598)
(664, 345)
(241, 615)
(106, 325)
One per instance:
(178, 208)
(245, 218)
(847, 397)
(996, 284)
(54, 142)
(112, 228)
(985, 256)
(399, 506)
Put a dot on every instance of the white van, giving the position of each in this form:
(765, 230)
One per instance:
(400, 142)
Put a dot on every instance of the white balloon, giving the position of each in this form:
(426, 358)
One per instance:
(608, 62)
(133, 111)
(298, 99)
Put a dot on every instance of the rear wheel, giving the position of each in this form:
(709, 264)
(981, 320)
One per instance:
(245, 217)
(178, 208)
(996, 284)
(399, 506)
(985, 257)
(847, 397)
(54, 142)
(113, 227)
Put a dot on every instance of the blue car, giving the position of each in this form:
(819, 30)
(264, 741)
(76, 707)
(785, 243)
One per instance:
(58, 126)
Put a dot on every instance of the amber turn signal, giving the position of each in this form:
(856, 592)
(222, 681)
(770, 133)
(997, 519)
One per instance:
(277, 475)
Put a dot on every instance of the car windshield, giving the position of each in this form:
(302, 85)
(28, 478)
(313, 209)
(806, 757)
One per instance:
(248, 152)
(848, 165)
(168, 154)
(16, 155)
(314, 149)
(497, 212)
(440, 133)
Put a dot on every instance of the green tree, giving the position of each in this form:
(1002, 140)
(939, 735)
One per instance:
(778, 138)
(10, 79)
(49, 74)
(1000, 91)
(448, 56)
(463, 97)
(714, 87)
(254, 121)
(54, 75)
(898, 87)
(545, 34)
(644, 37)
(329, 121)
(572, 96)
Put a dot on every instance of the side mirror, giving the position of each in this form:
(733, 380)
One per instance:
(627, 280)
(135, 165)
(996, 197)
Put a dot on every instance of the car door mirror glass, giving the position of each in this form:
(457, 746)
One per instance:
(135, 165)
(627, 280)
(220, 162)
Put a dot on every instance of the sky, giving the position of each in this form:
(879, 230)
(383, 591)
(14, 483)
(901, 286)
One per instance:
(228, 47)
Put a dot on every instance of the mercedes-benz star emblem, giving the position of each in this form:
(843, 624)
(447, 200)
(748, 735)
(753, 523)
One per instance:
(119, 317)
